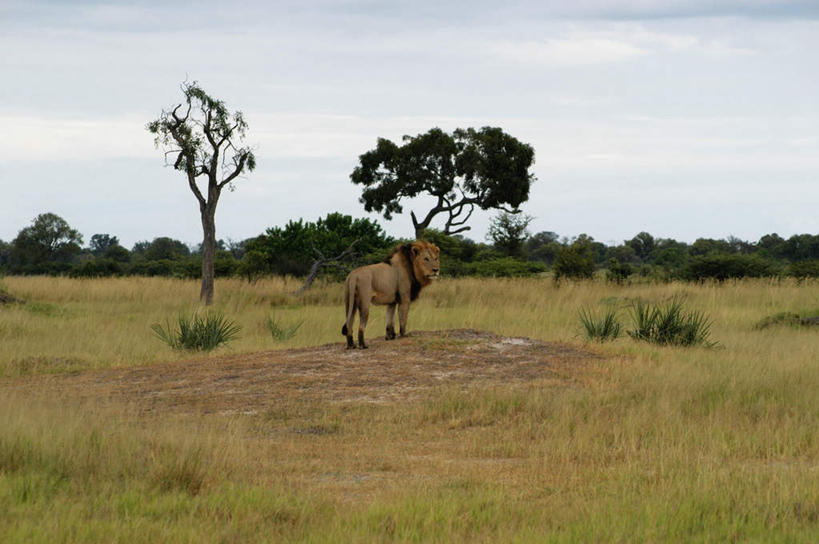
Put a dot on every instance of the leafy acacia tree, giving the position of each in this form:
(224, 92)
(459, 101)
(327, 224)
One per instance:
(201, 138)
(100, 243)
(508, 233)
(49, 239)
(469, 168)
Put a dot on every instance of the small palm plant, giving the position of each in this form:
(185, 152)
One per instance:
(670, 325)
(197, 332)
(602, 328)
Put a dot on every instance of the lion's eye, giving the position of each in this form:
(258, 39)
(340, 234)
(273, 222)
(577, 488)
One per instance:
(426, 259)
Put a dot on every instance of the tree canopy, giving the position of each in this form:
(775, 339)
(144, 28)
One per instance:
(468, 168)
(49, 239)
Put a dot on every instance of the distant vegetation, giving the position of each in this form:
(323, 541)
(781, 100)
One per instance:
(330, 246)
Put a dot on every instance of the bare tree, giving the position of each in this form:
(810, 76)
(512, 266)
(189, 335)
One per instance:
(201, 138)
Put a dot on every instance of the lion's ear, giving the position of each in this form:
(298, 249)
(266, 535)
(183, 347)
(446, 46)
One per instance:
(415, 251)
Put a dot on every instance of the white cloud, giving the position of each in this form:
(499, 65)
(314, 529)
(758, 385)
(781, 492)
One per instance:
(568, 51)
(49, 138)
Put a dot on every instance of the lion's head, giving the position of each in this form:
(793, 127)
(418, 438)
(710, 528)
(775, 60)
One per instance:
(425, 261)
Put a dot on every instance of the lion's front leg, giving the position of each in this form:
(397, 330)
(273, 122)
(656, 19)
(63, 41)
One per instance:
(391, 322)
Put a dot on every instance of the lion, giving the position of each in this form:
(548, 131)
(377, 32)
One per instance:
(396, 281)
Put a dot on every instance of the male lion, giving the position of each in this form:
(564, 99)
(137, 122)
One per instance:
(396, 281)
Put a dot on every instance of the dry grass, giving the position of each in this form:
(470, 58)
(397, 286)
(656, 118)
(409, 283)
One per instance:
(643, 444)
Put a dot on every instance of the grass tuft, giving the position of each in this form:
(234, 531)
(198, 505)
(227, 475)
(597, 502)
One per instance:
(670, 325)
(201, 333)
(600, 328)
(279, 331)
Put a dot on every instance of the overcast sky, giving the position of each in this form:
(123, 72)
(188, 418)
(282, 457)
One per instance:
(684, 118)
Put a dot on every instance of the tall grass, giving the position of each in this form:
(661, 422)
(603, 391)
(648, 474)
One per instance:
(642, 444)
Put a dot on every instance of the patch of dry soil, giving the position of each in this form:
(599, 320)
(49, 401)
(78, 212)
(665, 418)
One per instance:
(387, 372)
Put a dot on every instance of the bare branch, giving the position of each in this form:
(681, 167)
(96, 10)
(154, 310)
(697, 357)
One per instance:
(238, 170)
(323, 262)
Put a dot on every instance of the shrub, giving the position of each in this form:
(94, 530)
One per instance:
(97, 268)
(721, 267)
(603, 328)
(202, 333)
(574, 261)
(670, 325)
(281, 332)
(804, 269)
(617, 272)
(505, 267)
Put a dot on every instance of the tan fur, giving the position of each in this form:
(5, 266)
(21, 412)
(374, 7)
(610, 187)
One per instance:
(395, 282)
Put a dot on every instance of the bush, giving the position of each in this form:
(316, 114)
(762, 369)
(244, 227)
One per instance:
(670, 325)
(721, 267)
(98, 268)
(804, 269)
(618, 273)
(505, 267)
(603, 328)
(201, 333)
(574, 261)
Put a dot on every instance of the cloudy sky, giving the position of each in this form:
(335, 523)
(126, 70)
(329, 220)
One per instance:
(685, 118)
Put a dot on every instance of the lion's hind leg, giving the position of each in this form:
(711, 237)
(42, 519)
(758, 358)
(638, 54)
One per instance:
(363, 316)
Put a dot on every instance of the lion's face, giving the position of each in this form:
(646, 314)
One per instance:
(425, 262)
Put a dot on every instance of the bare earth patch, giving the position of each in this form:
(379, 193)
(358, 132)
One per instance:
(387, 372)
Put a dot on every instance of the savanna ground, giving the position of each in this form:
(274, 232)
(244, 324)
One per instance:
(494, 421)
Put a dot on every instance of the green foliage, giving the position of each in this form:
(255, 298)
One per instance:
(617, 272)
(804, 269)
(100, 243)
(294, 248)
(486, 168)
(670, 324)
(196, 332)
(600, 328)
(48, 244)
(279, 331)
(97, 268)
(543, 247)
(161, 248)
(720, 267)
(574, 261)
(188, 130)
(505, 267)
(508, 233)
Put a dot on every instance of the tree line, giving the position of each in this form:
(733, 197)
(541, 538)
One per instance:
(457, 171)
(332, 245)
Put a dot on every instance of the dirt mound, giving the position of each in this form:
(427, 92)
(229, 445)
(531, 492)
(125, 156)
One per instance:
(388, 371)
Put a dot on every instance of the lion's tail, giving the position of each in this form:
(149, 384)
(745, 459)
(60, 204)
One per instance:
(350, 288)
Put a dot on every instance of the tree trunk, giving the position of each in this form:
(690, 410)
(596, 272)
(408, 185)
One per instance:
(208, 254)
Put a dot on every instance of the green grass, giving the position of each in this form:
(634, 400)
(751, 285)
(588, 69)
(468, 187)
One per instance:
(600, 328)
(197, 332)
(670, 324)
(648, 443)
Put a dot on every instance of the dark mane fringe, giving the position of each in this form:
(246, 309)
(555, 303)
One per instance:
(406, 252)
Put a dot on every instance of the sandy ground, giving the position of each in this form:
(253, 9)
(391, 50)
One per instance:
(387, 372)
